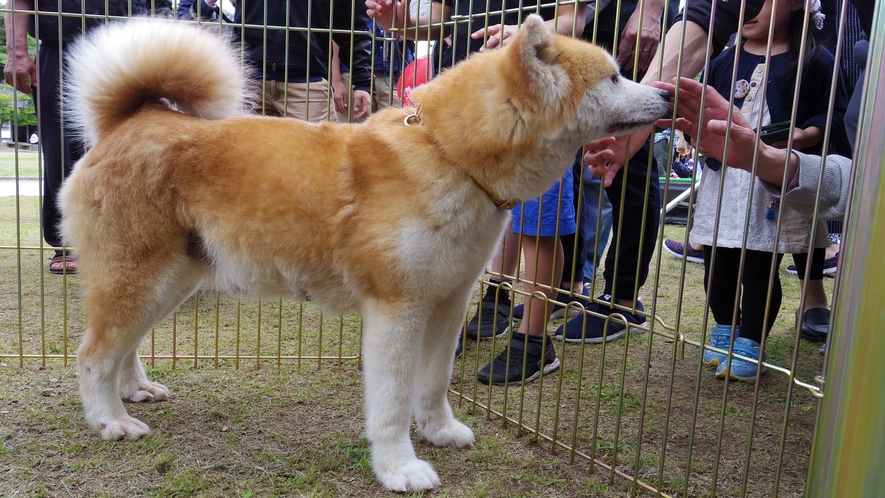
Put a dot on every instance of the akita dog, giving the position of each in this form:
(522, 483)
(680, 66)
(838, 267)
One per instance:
(395, 218)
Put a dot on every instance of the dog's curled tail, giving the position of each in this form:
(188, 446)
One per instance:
(119, 67)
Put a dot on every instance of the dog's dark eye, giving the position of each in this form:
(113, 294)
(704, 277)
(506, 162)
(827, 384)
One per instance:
(615, 79)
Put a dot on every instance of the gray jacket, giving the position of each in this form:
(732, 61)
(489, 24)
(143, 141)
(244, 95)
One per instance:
(801, 193)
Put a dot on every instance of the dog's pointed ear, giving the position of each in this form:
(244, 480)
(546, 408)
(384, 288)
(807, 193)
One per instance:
(535, 53)
(535, 44)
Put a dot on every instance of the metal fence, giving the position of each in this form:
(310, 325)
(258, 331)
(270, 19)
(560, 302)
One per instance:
(645, 410)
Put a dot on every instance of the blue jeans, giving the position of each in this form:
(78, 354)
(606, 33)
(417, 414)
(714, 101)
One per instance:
(590, 216)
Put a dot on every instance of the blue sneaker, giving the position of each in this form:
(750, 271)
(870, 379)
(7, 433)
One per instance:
(590, 329)
(742, 369)
(720, 337)
(582, 298)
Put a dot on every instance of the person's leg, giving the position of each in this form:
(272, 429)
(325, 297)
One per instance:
(530, 352)
(661, 152)
(759, 311)
(385, 92)
(573, 244)
(755, 281)
(721, 283)
(814, 294)
(627, 261)
(552, 215)
(60, 150)
(813, 317)
(543, 258)
(574, 293)
(596, 224)
(310, 102)
(503, 264)
(722, 290)
(633, 227)
(269, 101)
(492, 318)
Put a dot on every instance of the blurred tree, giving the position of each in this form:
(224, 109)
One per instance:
(26, 114)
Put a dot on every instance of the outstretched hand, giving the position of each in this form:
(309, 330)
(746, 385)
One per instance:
(621, 149)
(388, 13)
(712, 136)
(599, 156)
(598, 151)
(743, 144)
(498, 35)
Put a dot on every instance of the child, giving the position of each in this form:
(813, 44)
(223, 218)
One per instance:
(758, 309)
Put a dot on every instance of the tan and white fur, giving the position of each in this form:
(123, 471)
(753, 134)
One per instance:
(385, 219)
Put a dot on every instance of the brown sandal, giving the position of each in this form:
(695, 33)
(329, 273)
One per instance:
(59, 265)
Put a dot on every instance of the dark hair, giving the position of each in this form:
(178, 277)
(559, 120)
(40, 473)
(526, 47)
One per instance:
(794, 36)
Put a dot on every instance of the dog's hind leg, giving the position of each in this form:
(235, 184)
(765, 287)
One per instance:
(433, 413)
(392, 348)
(120, 311)
(134, 384)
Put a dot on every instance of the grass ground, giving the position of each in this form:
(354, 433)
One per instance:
(24, 162)
(241, 425)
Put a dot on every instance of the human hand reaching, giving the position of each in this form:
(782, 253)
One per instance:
(498, 35)
(712, 143)
(744, 147)
(621, 149)
(388, 13)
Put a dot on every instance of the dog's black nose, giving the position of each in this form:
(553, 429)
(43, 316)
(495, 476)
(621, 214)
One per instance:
(665, 95)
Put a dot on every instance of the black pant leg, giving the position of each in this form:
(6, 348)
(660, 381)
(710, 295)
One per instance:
(639, 185)
(60, 149)
(757, 272)
(721, 283)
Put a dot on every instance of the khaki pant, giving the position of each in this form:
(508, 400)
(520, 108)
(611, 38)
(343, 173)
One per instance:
(385, 93)
(306, 101)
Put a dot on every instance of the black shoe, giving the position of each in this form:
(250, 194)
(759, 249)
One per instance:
(597, 330)
(490, 320)
(538, 355)
(815, 324)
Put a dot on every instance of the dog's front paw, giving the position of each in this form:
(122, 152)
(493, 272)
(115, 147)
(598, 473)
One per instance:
(124, 428)
(416, 475)
(145, 391)
(453, 433)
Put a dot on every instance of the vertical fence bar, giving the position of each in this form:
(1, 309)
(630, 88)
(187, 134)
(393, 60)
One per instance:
(849, 439)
